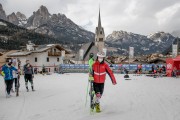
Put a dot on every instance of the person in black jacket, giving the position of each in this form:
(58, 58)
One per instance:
(28, 75)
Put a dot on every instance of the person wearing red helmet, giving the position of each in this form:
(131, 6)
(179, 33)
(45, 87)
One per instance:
(99, 70)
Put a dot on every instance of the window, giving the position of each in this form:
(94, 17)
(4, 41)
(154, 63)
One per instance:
(47, 59)
(57, 59)
(54, 50)
(101, 39)
(101, 32)
(35, 59)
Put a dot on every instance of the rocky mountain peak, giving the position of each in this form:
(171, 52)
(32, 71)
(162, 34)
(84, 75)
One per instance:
(1, 7)
(176, 33)
(20, 15)
(153, 43)
(120, 35)
(13, 18)
(56, 25)
(2, 13)
(39, 17)
(159, 36)
(43, 11)
(156, 35)
(22, 19)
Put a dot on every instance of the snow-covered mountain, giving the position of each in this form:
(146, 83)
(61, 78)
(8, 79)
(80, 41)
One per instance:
(12, 37)
(58, 26)
(2, 13)
(176, 33)
(64, 30)
(54, 25)
(153, 43)
(13, 18)
(21, 18)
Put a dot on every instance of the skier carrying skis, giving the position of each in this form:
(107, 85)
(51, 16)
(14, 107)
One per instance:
(91, 62)
(15, 75)
(91, 79)
(99, 70)
(28, 75)
(7, 72)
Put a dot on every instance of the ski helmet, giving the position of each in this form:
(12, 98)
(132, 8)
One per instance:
(101, 54)
(91, 55)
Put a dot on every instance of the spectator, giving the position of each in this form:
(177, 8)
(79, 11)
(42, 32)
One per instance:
(7, 72)
(28, 75)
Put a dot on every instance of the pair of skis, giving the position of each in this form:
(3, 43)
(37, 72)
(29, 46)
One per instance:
(91, 94)
(18, 78)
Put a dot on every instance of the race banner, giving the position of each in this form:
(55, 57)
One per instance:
(131, 52)
(174, 50)
(81, 54)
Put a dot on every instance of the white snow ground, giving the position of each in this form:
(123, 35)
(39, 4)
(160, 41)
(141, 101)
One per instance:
(62, 97)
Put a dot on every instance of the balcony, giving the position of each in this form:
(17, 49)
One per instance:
(54, 53)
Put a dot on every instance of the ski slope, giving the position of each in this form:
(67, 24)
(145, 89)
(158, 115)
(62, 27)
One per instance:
(63, 96)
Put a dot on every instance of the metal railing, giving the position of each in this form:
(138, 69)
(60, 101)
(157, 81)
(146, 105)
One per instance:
(54, 53)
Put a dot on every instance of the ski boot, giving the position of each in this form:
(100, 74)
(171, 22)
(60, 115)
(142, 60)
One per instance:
(27, 89)
(92, 108)
(98, 110)
(32, 88)
(8, 95)
(17, 94)
(12, 90)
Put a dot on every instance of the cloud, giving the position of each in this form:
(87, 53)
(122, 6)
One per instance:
(138, 16)
(167, 14)
(130, 11)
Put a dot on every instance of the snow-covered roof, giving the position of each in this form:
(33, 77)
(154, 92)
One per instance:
(39, 49)
(19, 54)
(3, 24)
(42, 48)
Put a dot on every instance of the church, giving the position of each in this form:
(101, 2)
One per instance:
(92, 47)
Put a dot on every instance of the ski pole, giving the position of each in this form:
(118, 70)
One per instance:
(5, 88)
(87, 93)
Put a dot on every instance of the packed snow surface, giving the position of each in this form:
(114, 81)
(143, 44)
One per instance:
(63, 97)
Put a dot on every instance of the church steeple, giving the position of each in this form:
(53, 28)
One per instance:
(99, 21)
(99, 34)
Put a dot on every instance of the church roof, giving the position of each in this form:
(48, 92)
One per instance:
(91, 47)
(87, 48)
(99, 20)
(99, 27)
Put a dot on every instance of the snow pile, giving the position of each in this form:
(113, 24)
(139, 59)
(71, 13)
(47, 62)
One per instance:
(62, 97)
(3, 24)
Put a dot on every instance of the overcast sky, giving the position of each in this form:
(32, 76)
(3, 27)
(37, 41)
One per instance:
(137, 16)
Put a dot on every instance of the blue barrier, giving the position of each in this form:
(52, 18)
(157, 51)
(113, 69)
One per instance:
(133, 67)
(148, 67)
(71, 66)
(86, 66)
(115, 67)
(76, 66)
(81, 66)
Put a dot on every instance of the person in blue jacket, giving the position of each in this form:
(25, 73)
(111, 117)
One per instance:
(7, 72)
